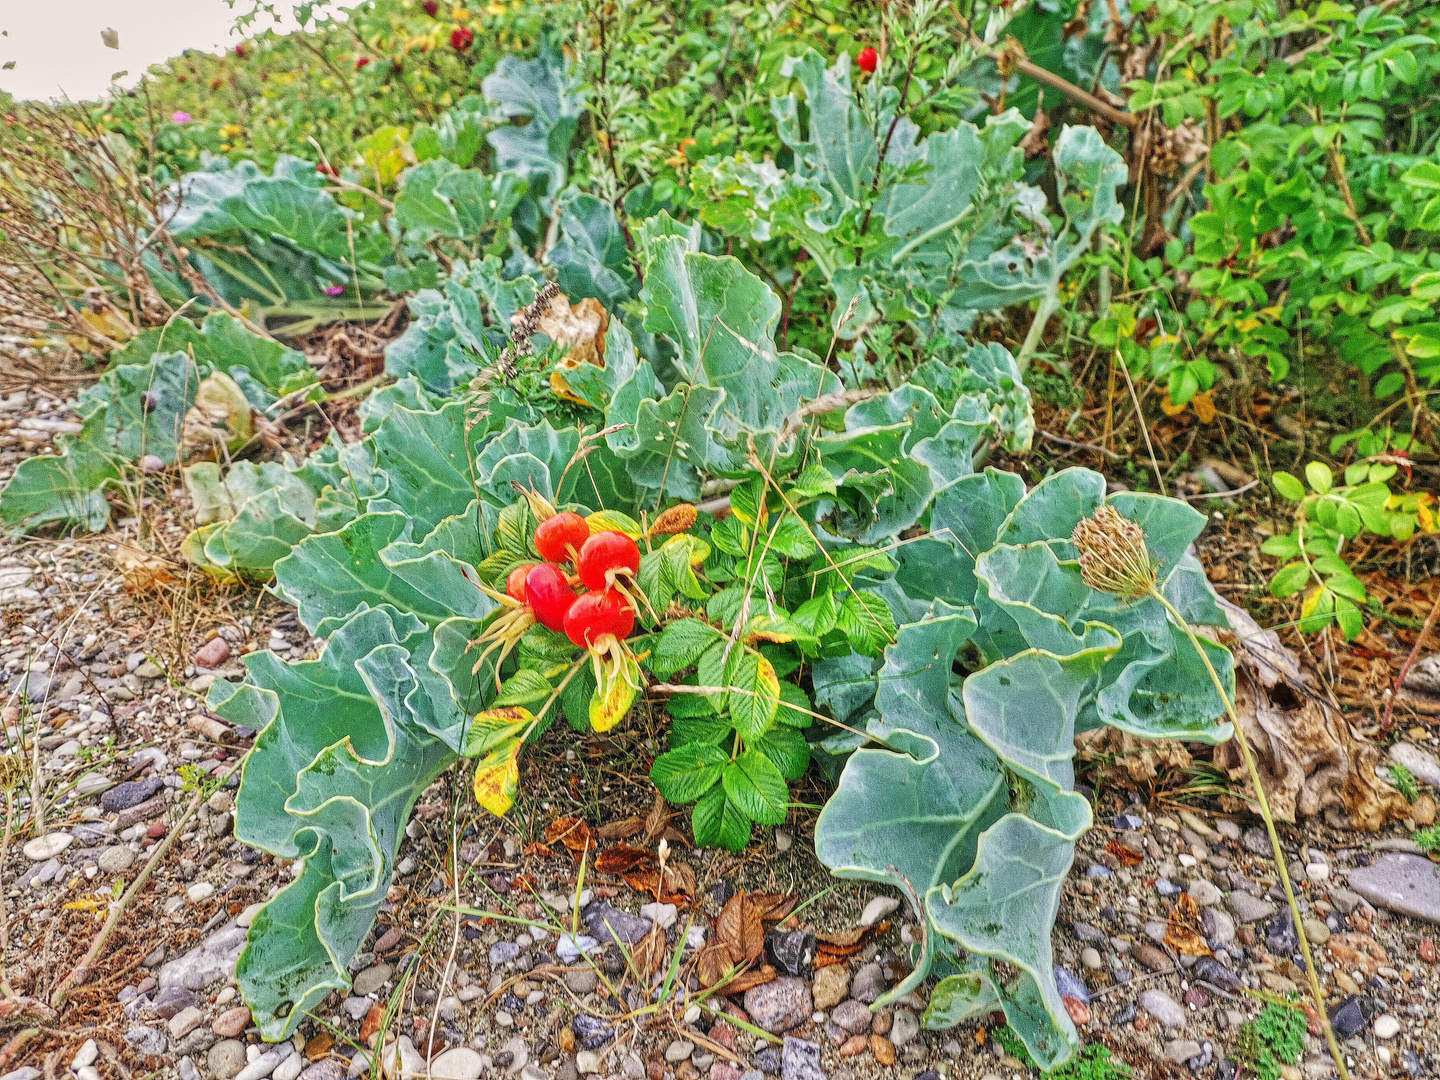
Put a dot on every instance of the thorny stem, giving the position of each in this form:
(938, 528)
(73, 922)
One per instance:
(1315, 991)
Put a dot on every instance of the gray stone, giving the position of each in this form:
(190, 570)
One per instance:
(172, 1000)
(1421, 765)
(1407, 884)
(1088, 934)
(265, 1064)
(608, 923)
(519, 1055)
(1257, 841)
(904, 1028)
(325, 1069)
(206, 963)
(147, 1040)
(1344, 899)
(800, 1060)
(1203, 892)
(185, 1021)
(46, 847)
(116, 859)
(1216, 974)
(1218, 926)
(502, 952)
(289, 1069)
(1247, 908)
(582, 982)
(1181, 1050)
(356, 1007)
(679, 1050)
(868, 983)
(25, 1072)
(851, 1015)
(371, 979)
(123, 796)
(226, 1058)
(459, 1063)
(779, 1005)
(187, 1068)
(1163, 1007)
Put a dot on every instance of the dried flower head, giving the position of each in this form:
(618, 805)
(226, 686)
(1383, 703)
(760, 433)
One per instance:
(677, 519)
(1113, 555)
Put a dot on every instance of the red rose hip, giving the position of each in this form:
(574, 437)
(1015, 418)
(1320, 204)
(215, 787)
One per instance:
(604, 555)
(595, 614)
(515, 583)
(549, 595)
(559, 538)
(868, 60)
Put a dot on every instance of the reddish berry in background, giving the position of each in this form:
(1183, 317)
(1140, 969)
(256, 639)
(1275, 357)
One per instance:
(595, 614)
(431, 7)
(240, 51)
(604, 552)
(461, 39)
(361, 61)
(549, 595)
(868, 60)
(559, 538)
(515, 583)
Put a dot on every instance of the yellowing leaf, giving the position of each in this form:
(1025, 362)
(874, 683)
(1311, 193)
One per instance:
(613, 521)
(1170, 408)
(493, 726)
(1312, 598)
(617, 680)
(562, 389)
(699, 549)
(497, 778)
(1246, 325)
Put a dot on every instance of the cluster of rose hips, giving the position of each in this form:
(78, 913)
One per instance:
(603, 561)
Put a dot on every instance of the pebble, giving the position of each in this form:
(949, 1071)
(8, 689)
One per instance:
(265, 1064)
(131, 793)
(371, 979)
(1205, 893)
(213, 653)
(662, 915)
(1181, 1050)
(608, 923)
(582, 982)
(1216, 974)
(290, 1068)
(868, 983)
(1350, 1016)
(503, 952)
(883, 1049)
(1090, 958)
(877, 909)
(1387, 1026)
(1257, 841)
(779, 1005)
(1154, 959)
(86, 1055)
(832, 984)
(852, 1016)
(1219, 927)
(226, 1058)
(46, 847)
(591, 1032)
(185, 1021)
(587, 1062)
(1247, 908)
(1163, 1007)
(800, 1060)
(679, 1050)
(905, 1028)
(1407, 884)
(115, 859)
(569, 949)
(200, 892)
(459, 1063)
(519, 1055)
(232, 1022)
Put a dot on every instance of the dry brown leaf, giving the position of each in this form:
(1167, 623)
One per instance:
(581, 329)
(1183, 931)
(713, 963)
(1142, 760)
(748, 979)
(773, 907)
(680, 878)
(142, 570)
(1308, 757)
(621, 859)
(535, 850)
(844, 939)
(572, 832)
(657, 819)
(740, 930)
(1127, 856)
(622, 829)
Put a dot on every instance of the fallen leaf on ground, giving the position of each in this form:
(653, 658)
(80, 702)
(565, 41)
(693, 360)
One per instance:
(572, 832)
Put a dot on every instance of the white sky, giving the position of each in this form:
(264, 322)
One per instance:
(56, 44)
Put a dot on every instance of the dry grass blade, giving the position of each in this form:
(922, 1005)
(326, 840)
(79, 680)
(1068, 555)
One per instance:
(649, 953)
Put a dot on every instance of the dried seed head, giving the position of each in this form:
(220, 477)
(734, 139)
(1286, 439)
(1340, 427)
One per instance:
(1113, 555)
(677, 519)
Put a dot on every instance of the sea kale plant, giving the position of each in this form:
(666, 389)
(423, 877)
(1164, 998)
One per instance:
(598, 479)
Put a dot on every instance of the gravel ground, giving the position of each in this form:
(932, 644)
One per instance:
(106, 655)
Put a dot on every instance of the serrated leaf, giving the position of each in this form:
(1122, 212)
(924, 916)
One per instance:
(680, 645)
(791, 538)
(866, 621)
(718, 822)
(617, 682)
(754, 785)
(787, 750)
(755, 693)
(684, 774)
(614, 521)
